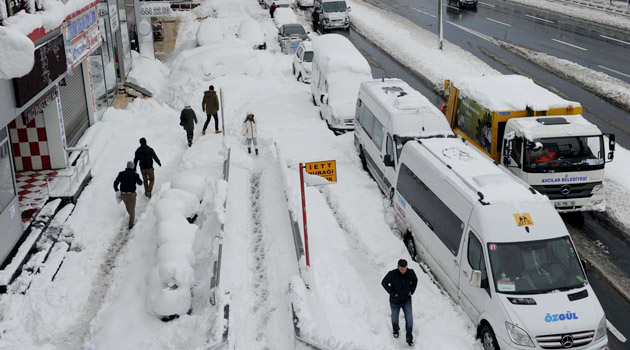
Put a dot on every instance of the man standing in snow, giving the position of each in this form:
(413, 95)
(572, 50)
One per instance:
(187, 120)
(401, 283)
(272, 8)
(128, 179)
(210, 105)
(145, 155)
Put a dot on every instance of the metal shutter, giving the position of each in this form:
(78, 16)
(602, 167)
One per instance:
(74, 107)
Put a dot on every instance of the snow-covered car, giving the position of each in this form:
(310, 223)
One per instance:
(250, 31)
(303, 61)
(305, 3)
(228, 56)
(284, 16)
(279, 3)
(209, 31)
(290, 36)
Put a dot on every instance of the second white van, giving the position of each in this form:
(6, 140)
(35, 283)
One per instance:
(338, 70)
(389, 113)
(497, 247)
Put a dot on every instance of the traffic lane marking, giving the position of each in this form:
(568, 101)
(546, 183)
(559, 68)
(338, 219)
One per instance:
(612, 70)
(615, 332)
(495, 21)
(483, 3)
(540, 19)
(475, 33)
(453, 7)
(609, 38)
(422, 12)
(568, 44)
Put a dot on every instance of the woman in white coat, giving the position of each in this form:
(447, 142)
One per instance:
(249, 131)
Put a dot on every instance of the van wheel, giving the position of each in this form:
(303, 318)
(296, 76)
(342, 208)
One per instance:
(363, 160)
(488, 339)
(410, 243)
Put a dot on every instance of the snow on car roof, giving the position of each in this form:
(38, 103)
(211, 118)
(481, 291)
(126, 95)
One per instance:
(576, 125)
(412, 113)
(510, 93)
(334, 52)
(284, 16)
(251, 31)
(475, 172)
(308, 45)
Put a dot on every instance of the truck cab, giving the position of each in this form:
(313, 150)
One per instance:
(540, 137)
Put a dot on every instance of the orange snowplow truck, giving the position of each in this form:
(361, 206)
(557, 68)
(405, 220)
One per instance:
(478, 108)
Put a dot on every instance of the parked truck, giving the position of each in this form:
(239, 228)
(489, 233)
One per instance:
(539, 136)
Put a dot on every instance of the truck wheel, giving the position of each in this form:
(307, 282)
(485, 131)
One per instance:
(410, 243)
(363, 160)
(488, 339)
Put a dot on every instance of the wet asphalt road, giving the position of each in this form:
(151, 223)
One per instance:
(615, 55)
(596, 229)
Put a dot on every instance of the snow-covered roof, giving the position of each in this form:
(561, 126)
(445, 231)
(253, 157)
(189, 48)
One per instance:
(308, 45)
(532, 127)
(334, 52)
(411, 113)
(284, 16)
(509, 93)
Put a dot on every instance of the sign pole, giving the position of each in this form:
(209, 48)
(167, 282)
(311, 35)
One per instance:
(308, 263)
(440, 24)
(222, 117)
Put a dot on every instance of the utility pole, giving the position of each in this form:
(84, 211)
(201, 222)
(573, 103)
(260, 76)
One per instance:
(440, 26)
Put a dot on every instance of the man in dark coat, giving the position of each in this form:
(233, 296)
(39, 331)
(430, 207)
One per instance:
(401, 283)
(187, 120)
(128, 179)
(145, 155)
(210, 105)
(272, 8)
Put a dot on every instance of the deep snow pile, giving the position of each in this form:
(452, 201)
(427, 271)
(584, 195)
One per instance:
(16, 47)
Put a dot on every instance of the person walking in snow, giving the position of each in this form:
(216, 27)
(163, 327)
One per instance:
(401, 283)
(272, 8)
(187, 120)
(145, 155)
(128, 179)
(210, 105)
(249, 131)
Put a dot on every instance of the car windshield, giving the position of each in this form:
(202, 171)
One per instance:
(335, 6)
(308, 56)
(565, 154)
(536, 266)
(294, 30)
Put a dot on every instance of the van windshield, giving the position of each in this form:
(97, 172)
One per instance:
(536, 266)
(566, 154)
(308, 56)
(335, 6)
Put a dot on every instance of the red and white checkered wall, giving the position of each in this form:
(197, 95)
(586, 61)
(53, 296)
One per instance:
(30, 144)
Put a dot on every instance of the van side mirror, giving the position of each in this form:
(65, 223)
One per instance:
(388, 161)
(475, 279)
(611, 146)
(349, 8)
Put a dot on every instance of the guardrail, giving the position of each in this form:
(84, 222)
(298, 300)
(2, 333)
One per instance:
(68, 181)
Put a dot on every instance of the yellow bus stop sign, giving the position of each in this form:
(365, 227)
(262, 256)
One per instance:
(326, 169)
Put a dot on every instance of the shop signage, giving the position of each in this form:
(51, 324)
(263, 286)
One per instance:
(113, 17)
(82, 37)
(38, 107)
(50, 63)
(156, 9)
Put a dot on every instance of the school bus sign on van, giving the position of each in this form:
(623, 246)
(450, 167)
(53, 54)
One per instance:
(326, 169)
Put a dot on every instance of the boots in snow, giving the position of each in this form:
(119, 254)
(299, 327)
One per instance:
(218, 131)
(249, 150)
(256, 151)
(203, 132)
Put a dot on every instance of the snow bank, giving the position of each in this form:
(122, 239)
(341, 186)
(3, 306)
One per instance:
(611, 89)
(415, 47)
(166, 300)
(186, 201)
(209, 31)
(509, 93)
(17, 56)
(587, 14)
(284, 16)
(191, 183)
(150, 74)
(229, 56)
(171, 231)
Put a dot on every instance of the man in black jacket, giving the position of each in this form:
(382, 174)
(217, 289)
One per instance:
(145, 155)
(188, 119)
(401, 284)
(128, 179)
